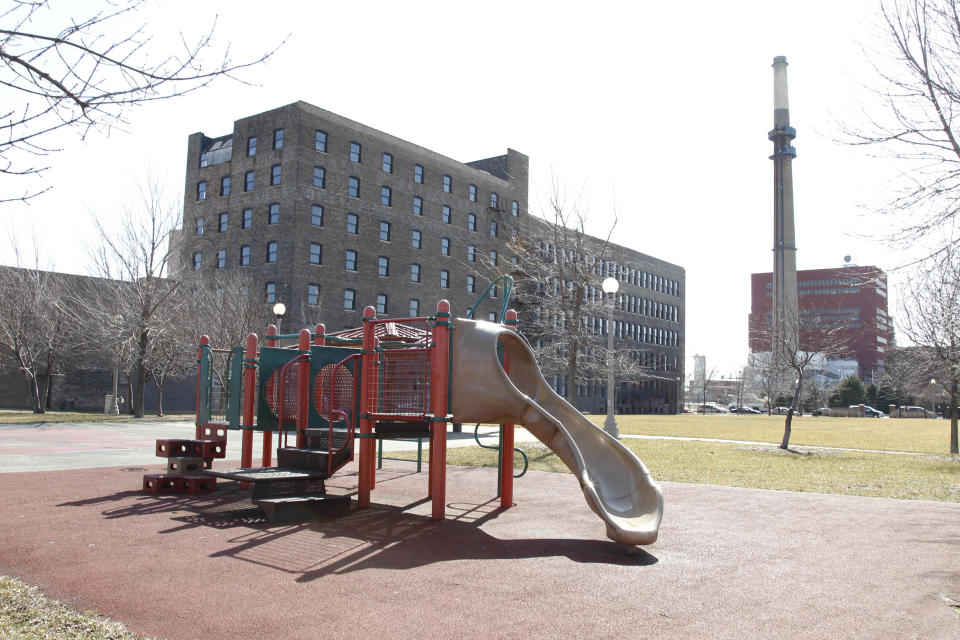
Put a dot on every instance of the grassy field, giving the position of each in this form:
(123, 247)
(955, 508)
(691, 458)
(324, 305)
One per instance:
(8, 416)
(927, 476)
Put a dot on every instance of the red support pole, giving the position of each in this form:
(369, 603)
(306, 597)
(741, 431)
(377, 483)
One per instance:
(249, 393)
(204, 342)
(303, 388)
(374, 401)
(439, 393)
(369, 384)
(321, 335)
(266, 458)
(506, 442)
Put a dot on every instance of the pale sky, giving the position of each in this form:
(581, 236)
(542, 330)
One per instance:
(659, 111)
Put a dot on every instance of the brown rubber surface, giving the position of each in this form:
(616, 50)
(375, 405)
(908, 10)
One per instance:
(730, 563)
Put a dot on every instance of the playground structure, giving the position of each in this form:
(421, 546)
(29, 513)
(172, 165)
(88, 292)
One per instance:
(330, 400)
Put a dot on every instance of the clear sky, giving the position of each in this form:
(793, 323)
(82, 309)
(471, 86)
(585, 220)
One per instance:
(658, 111)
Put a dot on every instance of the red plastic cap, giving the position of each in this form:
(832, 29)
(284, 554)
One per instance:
(369, 312)
(272, 330)
(321, 329)
(204, 339)
(443, 306)
(511, 315)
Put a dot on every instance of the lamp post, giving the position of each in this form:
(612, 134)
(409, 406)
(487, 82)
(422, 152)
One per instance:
(278, 310)
(115, 405)
(610, 287)
(933, 398)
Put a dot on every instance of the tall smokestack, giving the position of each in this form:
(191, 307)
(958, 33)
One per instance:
(785, 336)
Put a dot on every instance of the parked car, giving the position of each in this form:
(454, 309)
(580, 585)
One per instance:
(780, 410)
(926, 413)
(869, 412)
(746, 411)
(823, 411)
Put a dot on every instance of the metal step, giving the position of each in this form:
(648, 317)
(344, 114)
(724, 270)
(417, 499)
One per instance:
(320, 439)
(296, 509)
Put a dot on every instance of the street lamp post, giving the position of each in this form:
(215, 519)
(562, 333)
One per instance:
(115, 404)
(610, 287)
(278, 310)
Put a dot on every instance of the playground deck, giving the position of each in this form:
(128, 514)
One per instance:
(729, 563)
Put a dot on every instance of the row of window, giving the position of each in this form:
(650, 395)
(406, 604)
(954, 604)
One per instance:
(316, 219)
(611, 269)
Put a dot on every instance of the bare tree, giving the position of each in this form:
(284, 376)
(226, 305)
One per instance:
(559, 271)
(930, 318)
(31, 325)
(87, 73)
(917, 122)
(135, 303)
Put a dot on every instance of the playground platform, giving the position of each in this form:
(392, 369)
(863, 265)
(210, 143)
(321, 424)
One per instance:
(729, 563)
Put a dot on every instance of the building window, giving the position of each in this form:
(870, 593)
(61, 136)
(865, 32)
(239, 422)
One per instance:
(414, 307)
(383, 266)
(418, 174)
(515, 208)
(271, 291)
(472, 222)
(252, 146)
(382, 303)
(494, 229)
(416, 239)
(320, 141)
(384, 232)
(385, 196)
(447, 184)
(355, 152)
(471, 253)
(445, 215)
(351, 260)
(444, 279)
(319, 178)
(471, 284)
(492, 317)
(202, 190)
(352, 223)
(313, 295)
(417, 205)
(204, 160)
(494, 200)
(245, 255)
(473, 192)
(316, 215)
(200, 226)
(316, 253)
(349, 299)
(414, 272)
(222, 222)
(444, 246)
(225, 186)
(248, 181)
(221, 258)
(246, 219)
(278, 139)
(197, 260)
(273, 214)
(273, 248)
(493, 291)
(493, 258)
(276, 175)
(353, 188)
(387, 163)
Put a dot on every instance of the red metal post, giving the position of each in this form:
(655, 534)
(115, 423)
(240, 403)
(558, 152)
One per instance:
(506, 442)
(303, 388)
(375, 402)
(369, 383)
(249, 393)
(321, 338)
(439, 392)
(267, 458)
(204, 341)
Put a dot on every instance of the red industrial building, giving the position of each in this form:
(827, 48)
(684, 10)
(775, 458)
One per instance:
(852, 299)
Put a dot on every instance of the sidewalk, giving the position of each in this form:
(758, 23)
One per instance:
(88, 445)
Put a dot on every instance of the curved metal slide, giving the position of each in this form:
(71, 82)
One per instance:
(615, 483)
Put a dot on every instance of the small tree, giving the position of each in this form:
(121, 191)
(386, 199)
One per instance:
(849, 391)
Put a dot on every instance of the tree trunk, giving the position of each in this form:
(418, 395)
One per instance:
(34, 389)
(141, 376)
(787, 425)
(159, 397)
(953, 417)
(48, 383)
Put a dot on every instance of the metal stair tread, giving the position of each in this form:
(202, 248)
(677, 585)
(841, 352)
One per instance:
(268, 474)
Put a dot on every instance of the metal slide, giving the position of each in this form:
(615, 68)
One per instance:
(615, 483)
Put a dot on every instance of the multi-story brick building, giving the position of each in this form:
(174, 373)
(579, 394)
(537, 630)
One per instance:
(851, 299)
(329, 216)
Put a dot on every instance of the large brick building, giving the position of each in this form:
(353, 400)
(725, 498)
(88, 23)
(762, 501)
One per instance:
(852, 299)
(330, 215)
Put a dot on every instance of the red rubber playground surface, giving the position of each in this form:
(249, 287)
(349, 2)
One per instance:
(730, 563)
